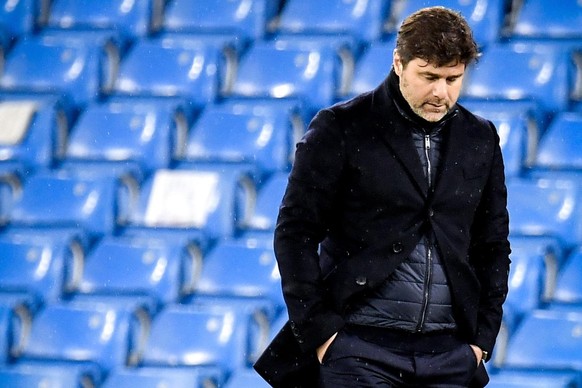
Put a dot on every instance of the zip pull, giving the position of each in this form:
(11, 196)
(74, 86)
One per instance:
(428, 164)
(427, 142)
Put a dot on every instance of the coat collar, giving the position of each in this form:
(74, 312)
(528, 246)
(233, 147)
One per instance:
(395, 124)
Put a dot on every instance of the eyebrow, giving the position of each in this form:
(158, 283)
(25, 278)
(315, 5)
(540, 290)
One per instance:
(430, 73)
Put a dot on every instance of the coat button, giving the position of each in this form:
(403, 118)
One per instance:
(397, 247)
(430, 212)
(361, 280)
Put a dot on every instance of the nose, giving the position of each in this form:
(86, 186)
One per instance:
(440, 89)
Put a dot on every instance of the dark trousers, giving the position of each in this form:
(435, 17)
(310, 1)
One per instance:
(367, 357)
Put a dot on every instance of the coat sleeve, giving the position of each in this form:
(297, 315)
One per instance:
(489, 252)
(302, 224)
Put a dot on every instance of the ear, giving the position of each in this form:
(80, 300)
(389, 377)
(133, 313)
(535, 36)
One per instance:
(397, 63)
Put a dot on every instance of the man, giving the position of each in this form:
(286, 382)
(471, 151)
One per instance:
(392, 237)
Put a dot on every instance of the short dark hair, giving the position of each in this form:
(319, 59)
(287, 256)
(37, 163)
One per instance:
(437, 35)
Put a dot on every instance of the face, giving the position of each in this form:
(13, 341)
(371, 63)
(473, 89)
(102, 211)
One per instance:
(430, 91)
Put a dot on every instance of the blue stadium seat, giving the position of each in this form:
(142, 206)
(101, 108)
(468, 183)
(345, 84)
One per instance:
(532, 278)
(120, 138)
(518, 131)
(546, 19)
(216, 336)
(45, 375)
(195, 71)
(547, 340)
(138, 272)
(262, 137)
(538, 71)
(205, 202)
(363, 21)
(245, 377)
(54, 201)
(372, 67)
(35, 269)
(133, 19)
(545, 207)
(269, 196)
(34, 132)
(486, 17)
(18, 18)
(89, 338)
(559, 146)
(56, 66)
(243, 269)
(304, 70)
(569, 282)
(245, 19)
(160, 377)
(534, 379)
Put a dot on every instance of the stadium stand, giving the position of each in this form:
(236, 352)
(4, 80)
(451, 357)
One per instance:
(145, 147)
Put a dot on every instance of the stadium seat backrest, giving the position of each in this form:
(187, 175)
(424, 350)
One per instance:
(54, 200)
(545, 207)
(269, 197)
(569, 282)
(21, 17)
(264, 138)
(546, 19)
(372, 67)
(160, 377)
(69, 333)
(51, 65)
(559, 147)
(191, 70)
(243, 268)
(558, 343)
(539, 71)
(291, 70)
(131, 17)
(126, 266)
(246, 19)
(122, 134)
(364, 20)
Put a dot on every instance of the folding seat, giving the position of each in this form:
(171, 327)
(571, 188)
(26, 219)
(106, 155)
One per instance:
(15, 322)
(243, 269)
(40, 375)
(518, 131)
(215, 336)
(263, 138)
(269, 196)
(138, 272)
(34, 132)
(558, 148)
(362, 20)
(201, 202)
(133, 18)
(244, 19)
(533, 71)
(56, 66)
(83, 339)
(194, 70)
(546, 19)
(55, 202)
(545, 207)
(246, 377)
(308, 71)
(35, 269)
(372, 67)
(547, 340)
(123, 138)
(157, 377)
(486, 17)
(569, 282)
(533, 379)
(535, 262)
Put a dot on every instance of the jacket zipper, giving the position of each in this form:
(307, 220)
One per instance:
(428, 276)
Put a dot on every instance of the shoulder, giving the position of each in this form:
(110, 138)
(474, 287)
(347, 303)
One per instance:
(478, 125)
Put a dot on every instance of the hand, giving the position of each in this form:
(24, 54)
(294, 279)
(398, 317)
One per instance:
(478, 353)
(323, 348)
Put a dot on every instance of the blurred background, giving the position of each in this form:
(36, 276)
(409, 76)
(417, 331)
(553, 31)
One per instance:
(145, 147)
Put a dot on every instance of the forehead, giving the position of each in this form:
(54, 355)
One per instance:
(422, 66)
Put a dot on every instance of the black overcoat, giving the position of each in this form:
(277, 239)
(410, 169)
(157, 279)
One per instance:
(356, 205)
